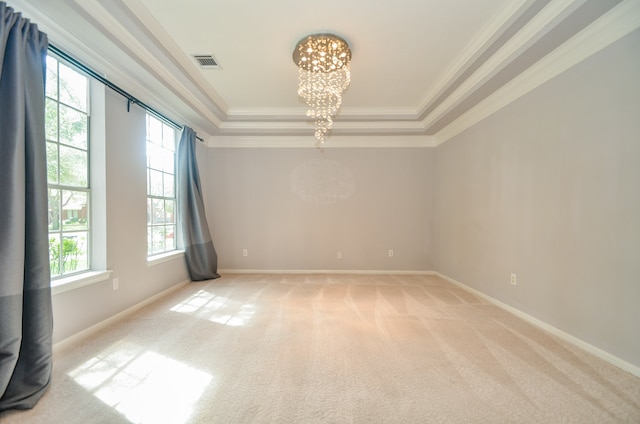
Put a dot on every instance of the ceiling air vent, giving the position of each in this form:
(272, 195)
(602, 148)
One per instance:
(206, 60)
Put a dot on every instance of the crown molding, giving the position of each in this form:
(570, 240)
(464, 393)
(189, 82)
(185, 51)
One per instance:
(139, 49)
(618, 22)
(303, 127)
(516, 45)
(308, 141)
(513, 10)
(64, 39)
(299, 113)
(162, 41)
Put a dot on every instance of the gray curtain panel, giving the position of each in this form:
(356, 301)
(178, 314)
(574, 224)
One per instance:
(26, 321)
(201, 256)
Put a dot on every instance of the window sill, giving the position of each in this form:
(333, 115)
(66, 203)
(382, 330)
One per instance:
(164, 257)
(76, 281)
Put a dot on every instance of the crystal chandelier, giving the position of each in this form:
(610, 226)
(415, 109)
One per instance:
(323, 66)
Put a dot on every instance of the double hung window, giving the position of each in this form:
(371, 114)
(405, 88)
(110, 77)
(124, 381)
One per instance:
(67, 134)
(161, 187)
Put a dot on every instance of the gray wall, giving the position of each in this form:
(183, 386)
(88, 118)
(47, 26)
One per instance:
(549, 188)
(126, 221)
(295, 209)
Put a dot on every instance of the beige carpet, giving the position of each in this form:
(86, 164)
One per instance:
(330, 349)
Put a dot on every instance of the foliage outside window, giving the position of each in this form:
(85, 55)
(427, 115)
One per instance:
(67, 134)
(161, 187)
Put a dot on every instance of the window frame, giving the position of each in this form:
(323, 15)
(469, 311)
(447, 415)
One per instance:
(96, 180)
(58, 144)
(154, 255)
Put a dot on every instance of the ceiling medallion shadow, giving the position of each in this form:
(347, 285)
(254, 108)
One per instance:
(324, 73)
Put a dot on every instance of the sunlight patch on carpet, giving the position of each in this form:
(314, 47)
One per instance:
(143, 385)
(218, 309)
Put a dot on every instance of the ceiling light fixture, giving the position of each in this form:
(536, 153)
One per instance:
(323, 66)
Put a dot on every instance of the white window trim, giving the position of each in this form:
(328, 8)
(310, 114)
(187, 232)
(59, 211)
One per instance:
(72, 282)
(97, 174)
(164, 257)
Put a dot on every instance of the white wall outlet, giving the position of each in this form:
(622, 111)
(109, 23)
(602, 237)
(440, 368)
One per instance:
(391, 253)
(116, 283)
(245, 252)
(514, 281)
(339, 255)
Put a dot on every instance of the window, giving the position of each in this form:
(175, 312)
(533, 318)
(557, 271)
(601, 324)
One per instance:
(67, 134)
(161, 187)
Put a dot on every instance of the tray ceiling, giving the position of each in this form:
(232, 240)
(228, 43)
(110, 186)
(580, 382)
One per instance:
(422, 70)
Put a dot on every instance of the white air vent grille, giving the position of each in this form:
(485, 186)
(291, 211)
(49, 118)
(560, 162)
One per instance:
(206, 60)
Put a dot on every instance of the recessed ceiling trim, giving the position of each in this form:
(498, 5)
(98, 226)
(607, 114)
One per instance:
(340, 127)
(618, 22)
(472, 50)
(163, 41)
(345, 113)
(548, 18)
(173, 59)
(335, 141)
(485, 51)
(139, 52)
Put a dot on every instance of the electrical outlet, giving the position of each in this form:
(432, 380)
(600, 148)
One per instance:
(245, 252)
(116, 283)
(514, 281)
(339, 255)
(391, 253)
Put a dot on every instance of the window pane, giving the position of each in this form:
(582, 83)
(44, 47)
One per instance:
(168, 138)
(51, 120)
(54, 254)
(52, 163)
(169, 215)
(82, 240)
(74, 210)
(154, 130)
(73, 167)
(155, 183)
(74, 252)
(157, 240)
(154, 156)
(54, 209)
(170, 232)
(158, 211)
(168, 185)
(73, 127)
(168, 158)
(73, 88)
(52, 77)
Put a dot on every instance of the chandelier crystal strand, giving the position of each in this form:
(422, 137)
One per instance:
(324, 73)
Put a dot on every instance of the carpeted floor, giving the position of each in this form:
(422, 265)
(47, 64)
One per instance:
(329, 349)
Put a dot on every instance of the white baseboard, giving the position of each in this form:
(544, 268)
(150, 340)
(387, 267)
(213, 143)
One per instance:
(612, 359)
(323, 271)
(112, 319)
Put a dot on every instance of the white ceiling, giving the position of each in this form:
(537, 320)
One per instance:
(422, 70)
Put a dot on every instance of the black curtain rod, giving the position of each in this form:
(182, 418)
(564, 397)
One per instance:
(130, 99)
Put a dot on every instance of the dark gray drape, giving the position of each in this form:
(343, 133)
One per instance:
(26, 321)
(201, 256)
